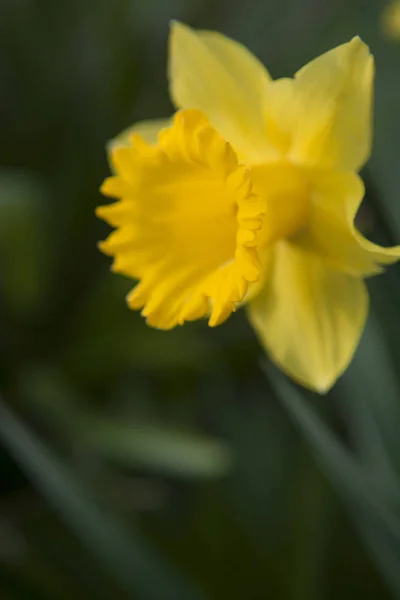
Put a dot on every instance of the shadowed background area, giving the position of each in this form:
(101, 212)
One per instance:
(175, 466)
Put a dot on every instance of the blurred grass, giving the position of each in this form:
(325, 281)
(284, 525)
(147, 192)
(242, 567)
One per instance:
(139, 464)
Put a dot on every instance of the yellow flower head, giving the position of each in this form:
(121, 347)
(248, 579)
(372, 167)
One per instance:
(248, 195)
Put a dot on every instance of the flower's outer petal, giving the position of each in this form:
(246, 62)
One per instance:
(218, 76)
(331, 233)
(309, 318)
(323, 115)
(336, 91)
(282, 113)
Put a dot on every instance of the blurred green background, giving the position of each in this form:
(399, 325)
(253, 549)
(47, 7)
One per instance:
(175, 466)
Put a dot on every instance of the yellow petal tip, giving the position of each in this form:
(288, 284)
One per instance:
(356, 40)
(176, 25)
(176, 30)
(323, 385)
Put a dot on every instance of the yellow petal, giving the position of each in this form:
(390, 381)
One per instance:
(218, 76)
(187, 223)
(323, 116)
(331, 233)
(309, 318)
(286, 192)
(148, 130)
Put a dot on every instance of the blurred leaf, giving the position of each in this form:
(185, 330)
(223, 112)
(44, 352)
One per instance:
(14, 587)
(369, 398)
(367, 503)
(132, 442)
(44, 389)
(133, 564)
(157, 447)
(24, 249)
(111, 337)
(276, 491)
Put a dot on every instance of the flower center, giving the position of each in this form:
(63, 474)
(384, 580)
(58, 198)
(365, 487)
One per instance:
(187, 223)
(287, 197)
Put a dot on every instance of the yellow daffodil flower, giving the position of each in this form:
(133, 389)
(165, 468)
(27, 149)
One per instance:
(391, 20)
(248, 195)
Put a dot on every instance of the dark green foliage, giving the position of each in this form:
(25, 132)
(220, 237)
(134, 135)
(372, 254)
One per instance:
(149, 465)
